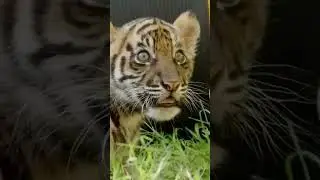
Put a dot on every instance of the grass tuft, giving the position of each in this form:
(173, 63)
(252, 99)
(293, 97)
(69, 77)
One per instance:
(166, 157)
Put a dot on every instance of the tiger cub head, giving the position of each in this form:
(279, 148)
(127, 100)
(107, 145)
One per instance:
(151, 63)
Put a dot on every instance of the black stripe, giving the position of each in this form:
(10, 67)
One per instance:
(50, 50)
(141, 45)
(93, 10)
(129, 47)
(154, 90)
(142, 37)
(127, 77)
(166, 32)
(122, 64)
(131, 64)
(185, 65)
(70, 18)
(148, 42)
(71, 10)
(153, 85)
(146, 26)
(115, 118)
(113, 64)
(118, 136)
(142, 78)
(99, 17)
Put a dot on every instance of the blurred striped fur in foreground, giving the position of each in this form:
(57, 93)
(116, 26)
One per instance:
(252, 102)
(53, 82)
(238, 29)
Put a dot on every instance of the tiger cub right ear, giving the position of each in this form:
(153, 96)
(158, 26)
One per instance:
(188, 27)
(113, 32)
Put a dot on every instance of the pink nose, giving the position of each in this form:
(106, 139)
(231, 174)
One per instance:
(171, 85)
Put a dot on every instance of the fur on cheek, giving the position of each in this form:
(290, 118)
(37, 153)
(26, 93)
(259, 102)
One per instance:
(162, 114)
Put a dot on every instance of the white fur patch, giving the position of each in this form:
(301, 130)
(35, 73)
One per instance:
(163, 113)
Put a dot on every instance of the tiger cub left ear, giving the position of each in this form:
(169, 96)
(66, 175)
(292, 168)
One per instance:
(189, 29)
(113, 32)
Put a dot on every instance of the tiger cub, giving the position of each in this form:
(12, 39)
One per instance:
(151, 63)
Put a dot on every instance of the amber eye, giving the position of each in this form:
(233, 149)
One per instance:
(143, 57)
(180, 58)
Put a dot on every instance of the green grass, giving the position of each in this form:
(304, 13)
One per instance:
(165, 157)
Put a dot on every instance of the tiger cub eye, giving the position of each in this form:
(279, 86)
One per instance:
(143, 57)
(180, 58)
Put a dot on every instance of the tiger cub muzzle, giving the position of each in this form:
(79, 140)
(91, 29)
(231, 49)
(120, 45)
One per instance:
(165, 88)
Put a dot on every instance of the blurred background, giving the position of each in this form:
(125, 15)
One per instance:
(288, 58)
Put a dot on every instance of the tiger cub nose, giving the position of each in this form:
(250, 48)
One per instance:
(170, 85)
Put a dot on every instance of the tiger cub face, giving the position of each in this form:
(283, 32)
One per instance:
(152, 62)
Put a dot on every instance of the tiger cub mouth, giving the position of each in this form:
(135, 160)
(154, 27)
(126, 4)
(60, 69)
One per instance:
(167, 102)
(164, 109)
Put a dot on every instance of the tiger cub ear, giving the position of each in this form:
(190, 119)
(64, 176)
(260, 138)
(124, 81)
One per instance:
(189, 29)
(113, 32)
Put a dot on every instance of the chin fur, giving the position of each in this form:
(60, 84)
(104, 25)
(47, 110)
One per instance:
(163, 113)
